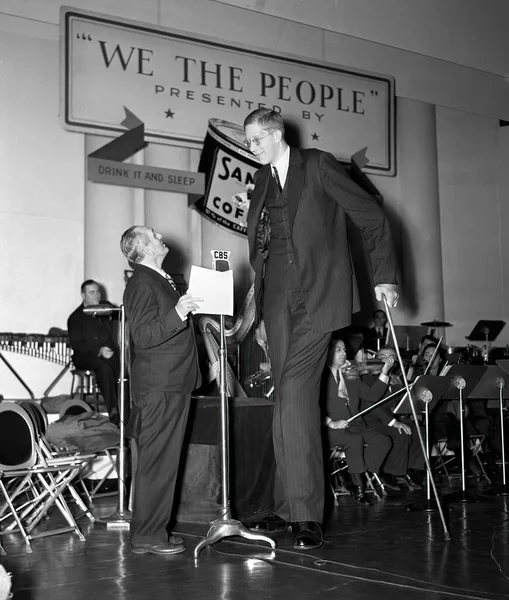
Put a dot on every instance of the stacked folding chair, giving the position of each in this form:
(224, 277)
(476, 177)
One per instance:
(33, 480)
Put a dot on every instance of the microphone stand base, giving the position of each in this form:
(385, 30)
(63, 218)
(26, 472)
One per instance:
(464, 496)
(117, 520)
(227, 528)
(430, 505)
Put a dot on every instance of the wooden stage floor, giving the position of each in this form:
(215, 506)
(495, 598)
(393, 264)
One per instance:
(380, 551)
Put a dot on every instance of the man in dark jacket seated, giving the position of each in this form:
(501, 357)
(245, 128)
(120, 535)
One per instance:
(94, 347)
(406, 453)
(342, 392)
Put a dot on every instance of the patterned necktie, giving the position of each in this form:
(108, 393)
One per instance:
(170, 281)
(276, 177)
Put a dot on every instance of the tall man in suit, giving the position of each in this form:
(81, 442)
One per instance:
(303, 284)
(94, 348)
(164, 373)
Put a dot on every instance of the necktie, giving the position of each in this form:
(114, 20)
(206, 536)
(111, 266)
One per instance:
(169, 278)
(276, 177)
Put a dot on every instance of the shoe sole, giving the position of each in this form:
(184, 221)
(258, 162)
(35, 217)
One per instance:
(296, 547)
(149, 551)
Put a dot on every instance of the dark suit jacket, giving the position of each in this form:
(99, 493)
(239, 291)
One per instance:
(321, 195)
(163, 348)
(360, 395)
(370, 338)
(381, 415)
(87, 335)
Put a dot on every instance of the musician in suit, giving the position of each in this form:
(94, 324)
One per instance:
(164, 372)
(342, 393)
(94, 347)
(405, 453)
(298, 249)
(375, 336)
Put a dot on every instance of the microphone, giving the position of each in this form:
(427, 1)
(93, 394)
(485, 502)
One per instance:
(500, 383)
(459, 382)
(425, 395)
(97, 310)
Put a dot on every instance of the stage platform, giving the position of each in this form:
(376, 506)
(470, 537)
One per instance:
(371, 552)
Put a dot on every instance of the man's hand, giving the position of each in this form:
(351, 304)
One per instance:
(106, 352)
(402, 427)
(390, 291)
(261, 336)
(188, 303)
(341, 424)
(388, 364)
(213, 371)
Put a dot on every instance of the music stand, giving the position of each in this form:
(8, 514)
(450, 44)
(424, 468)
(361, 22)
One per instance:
(503, 393)
(426, 392)
(487, 332)
(226, 525)
(464, 380)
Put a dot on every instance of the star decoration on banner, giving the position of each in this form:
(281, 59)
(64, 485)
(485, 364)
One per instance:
(315, 137)
(169, 113)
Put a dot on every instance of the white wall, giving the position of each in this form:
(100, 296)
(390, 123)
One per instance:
(43, 191)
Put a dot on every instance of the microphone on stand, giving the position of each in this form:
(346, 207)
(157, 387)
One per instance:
(459, 382)
(99, 309)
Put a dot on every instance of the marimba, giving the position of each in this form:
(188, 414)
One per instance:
(52, 348)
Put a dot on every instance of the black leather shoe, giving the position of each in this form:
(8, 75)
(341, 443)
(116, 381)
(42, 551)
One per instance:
(307, 535)
(359, 494)
(407, 482)
(270, 524)
(390, 482)
(163, 548)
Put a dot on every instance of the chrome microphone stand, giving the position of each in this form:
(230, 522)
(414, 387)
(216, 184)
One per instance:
(226, 526)
(121, 517)
(501, 386)
(447, 535)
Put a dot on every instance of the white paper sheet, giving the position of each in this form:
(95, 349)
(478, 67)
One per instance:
(216, 289)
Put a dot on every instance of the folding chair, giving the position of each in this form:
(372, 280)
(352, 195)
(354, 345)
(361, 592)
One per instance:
(444, 455)
(30, 482)
(337, 460)
(475, 443)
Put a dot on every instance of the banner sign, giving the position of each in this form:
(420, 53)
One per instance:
(105, 165)
(175, 82)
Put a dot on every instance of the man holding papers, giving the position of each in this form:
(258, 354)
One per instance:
(298, 249)
(164, 373)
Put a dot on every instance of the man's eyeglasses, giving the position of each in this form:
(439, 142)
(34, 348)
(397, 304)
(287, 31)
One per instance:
(256, 140)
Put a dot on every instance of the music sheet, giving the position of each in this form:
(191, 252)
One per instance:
(216, 289)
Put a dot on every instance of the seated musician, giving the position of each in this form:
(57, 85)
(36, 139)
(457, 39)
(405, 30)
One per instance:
(375, 337)
(418, 364)
(405, 458)
(342, 392)
(94, 348)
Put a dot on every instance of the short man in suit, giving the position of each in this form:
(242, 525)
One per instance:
(94, 348)
(164, 372)
(298, 249)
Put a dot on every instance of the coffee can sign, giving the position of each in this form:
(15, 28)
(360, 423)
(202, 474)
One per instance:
(229, 176)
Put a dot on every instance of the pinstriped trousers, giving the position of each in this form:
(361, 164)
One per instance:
(298, 356)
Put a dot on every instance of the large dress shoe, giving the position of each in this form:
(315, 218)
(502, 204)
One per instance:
(163, 548)
(270, 524)
(359, 494)
(405, 481)
(307, 535)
